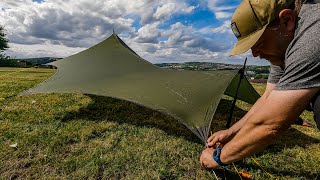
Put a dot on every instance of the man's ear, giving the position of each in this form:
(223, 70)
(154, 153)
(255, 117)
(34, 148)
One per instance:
(288, 18)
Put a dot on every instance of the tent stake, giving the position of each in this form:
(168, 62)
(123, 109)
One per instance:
(241, 72)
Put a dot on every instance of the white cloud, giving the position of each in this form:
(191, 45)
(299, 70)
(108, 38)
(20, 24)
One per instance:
(223, 15)
(183, 43)
(148, 33)
(6, 4)
(73, 24)
(60, 28)
(40, 50)
(218, 5)
(225, 27)
(189, 9)
(79, 23)
(221, 10)
(165, 10)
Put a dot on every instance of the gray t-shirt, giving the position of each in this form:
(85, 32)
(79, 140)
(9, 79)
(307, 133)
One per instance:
(302, 61)
(301, 68)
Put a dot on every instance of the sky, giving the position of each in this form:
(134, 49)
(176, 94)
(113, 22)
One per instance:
(160, 31)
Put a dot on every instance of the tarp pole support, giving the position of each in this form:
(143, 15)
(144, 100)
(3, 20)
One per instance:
(241, 72)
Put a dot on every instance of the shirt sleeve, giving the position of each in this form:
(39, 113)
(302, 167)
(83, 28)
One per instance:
(302, 63)
(275, 74)
(303, 73)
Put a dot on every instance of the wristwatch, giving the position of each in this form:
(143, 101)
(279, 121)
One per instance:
(216, 157)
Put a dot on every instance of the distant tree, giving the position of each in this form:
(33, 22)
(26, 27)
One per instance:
(4, 60)
(3, 40)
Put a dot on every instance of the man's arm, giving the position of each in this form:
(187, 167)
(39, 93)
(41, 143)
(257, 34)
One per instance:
(260, 102)
(224, 136)
(261, 128)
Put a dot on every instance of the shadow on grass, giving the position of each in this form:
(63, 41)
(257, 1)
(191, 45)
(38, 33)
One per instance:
(222, 114)
(110, 109)
(289, 139)
(292, 138)
(121, 111)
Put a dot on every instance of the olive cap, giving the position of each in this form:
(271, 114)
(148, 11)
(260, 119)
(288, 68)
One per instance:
(250, 20)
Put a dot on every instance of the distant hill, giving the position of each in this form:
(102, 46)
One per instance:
(28, 62)
(252, 71)
(212, 66)
(199, 66)
(39, 61)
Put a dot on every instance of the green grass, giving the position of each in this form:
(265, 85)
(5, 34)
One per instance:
(75, 136)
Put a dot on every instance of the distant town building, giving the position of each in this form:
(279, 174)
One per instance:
(250, 73)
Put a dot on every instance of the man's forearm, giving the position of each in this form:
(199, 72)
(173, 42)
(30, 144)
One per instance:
(237, 126)
(251, 138)
(264, 126)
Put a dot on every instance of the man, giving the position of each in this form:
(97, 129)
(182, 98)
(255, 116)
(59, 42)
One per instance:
(286, 33)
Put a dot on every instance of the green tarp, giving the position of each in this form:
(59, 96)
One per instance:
(112, 69)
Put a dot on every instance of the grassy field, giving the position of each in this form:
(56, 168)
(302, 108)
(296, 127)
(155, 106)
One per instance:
(75, 136)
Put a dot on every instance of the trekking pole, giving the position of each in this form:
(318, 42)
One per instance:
(241, 72)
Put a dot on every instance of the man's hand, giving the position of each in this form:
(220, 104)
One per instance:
(206, 159)
(220, 138)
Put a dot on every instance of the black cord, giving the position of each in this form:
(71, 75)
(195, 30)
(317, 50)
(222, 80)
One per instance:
(241, 72)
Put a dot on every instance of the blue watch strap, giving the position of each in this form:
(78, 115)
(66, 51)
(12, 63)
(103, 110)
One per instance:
(216, 157)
